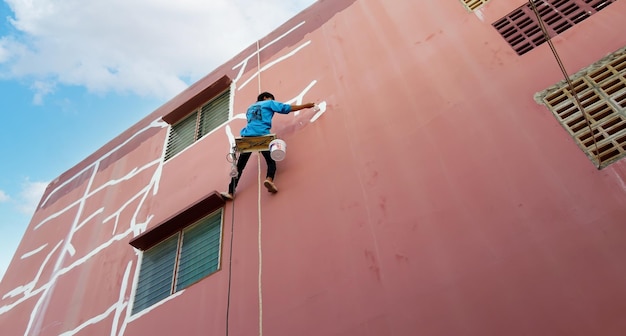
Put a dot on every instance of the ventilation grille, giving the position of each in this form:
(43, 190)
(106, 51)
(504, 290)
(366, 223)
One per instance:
(473, 5)
(522, 31)
(602, 94)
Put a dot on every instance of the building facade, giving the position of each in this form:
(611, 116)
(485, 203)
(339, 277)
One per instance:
(451, 183)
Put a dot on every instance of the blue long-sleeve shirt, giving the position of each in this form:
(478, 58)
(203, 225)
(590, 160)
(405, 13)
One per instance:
(259, 116)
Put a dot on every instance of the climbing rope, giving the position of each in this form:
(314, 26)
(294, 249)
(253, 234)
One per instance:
(260, 252)
(258, 63)
(567, 78)
(232, 158)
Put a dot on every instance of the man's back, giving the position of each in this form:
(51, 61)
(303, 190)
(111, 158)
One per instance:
(259, 116)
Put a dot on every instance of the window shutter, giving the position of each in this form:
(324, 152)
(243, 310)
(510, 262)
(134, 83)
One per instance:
(200, 251)
(156, 274)
(214, 113)
(182, 135)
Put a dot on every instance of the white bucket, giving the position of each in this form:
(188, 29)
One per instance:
(278, 149)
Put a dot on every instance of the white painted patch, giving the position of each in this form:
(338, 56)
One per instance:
(480, 15)
(70, 249)
(140, 228)
(231, 138)
(17, 291)
(322, 109)
(33, 252)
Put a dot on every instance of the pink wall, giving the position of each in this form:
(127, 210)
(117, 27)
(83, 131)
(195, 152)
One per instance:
(433, 197)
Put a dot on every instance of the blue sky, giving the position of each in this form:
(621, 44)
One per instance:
(72, 77)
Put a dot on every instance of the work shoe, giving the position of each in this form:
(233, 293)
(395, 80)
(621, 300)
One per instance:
(270, 186)
(227, 196)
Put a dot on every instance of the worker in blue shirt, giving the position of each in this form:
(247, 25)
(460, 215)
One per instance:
(259, 117)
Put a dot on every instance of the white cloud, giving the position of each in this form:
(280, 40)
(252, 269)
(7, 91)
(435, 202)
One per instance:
(41, 89)
(146, 47)
(4, 197)
(29, 196)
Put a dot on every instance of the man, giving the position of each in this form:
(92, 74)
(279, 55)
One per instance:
(259, 117)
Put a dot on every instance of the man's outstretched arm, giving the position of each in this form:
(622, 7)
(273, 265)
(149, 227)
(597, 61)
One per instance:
(300, 107)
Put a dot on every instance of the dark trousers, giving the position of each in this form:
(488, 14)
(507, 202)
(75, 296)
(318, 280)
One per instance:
(241, 164)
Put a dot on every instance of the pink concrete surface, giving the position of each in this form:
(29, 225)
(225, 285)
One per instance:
(433, 197)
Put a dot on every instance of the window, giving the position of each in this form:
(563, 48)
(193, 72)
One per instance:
(179, 261)
(601, 90)
(473, 5)
(197, 124)
(522, 31)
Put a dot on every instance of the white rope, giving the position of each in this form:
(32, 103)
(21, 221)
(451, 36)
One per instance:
(258, 61)
(260, 252)
(258, 64)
